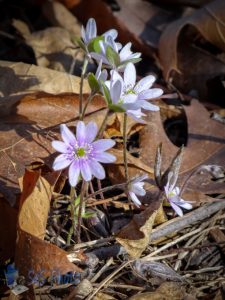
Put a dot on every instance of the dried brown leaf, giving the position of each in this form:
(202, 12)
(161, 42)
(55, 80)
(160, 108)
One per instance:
(35, 203)
(209, 21)
(52, 46)
(135, 236)
(19, 79)
(32, 253)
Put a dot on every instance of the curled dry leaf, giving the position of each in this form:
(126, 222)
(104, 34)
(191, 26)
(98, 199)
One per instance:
(209, 21)
(206, 145)
(147, 269)
(135, 236)
(32, 252)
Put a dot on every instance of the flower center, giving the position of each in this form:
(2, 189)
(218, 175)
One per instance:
(83, 151)
(80, 152)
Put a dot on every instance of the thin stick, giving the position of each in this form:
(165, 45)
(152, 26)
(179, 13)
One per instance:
(183, 237)
(104, 282)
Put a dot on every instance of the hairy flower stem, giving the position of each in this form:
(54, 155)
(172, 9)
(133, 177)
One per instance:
(81, 86)
(125, 147)
(79, 220)
(73, 196)
(86, 105)
(103, 126)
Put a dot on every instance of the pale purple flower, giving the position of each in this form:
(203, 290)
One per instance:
(90, 32)
(137, 93)
(173, 196)
(125, 55)
(81, 153)
(135, 188)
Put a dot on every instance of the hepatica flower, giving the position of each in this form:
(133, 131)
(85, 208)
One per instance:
(81, 153)
(90, 32)
(113, 55)
(173, 196)
(137, 93)
(135, 188)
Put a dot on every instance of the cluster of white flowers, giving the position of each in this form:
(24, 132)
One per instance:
(120, 90)
(82, 153)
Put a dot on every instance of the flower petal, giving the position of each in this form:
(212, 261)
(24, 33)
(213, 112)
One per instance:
(135, 199)
(137, 188)
(129, 76)
(105, 157)
(148, 106)
(97, 169)
(91, 29)
(61, 162)
(81, 132)
(145, 83)
(99, 57)
(130, 98)
(85, 169)
(184, 204)
(176, 209)
(125, 52)
(136, 115)
(103, 145)
(112, 32)
(67, 135)
(91, 132)
(74, 172)
(150, 94)
(116, 91)
(61, 147)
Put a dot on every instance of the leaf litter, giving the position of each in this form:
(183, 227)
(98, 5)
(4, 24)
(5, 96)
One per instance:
(151, 254)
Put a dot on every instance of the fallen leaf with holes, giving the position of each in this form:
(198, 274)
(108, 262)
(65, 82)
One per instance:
(206, 145)
(135, 236)
(32, 252)
(167, 290)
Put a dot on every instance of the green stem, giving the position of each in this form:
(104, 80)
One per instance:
(83, 190)
(125, 147)
(81, 86)
(103, 126)
(86, 105)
